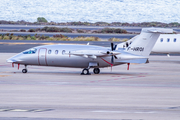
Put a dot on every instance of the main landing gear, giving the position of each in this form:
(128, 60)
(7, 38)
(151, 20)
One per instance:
(96, 70)
(86, 71)
(24, 70)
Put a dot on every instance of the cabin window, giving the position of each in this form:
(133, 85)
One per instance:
(168, 40)
(63, 52)
(174, 39)
(161, 39)
(49, 51)
(56, 52)
(30, 51)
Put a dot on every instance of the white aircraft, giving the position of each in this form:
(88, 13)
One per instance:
(88, 56)
(166, 43)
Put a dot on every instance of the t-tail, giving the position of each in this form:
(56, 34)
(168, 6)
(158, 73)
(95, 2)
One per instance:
(138, 51)
(143, 44)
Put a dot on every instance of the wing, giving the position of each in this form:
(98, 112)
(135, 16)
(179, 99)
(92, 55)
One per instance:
(93, 53)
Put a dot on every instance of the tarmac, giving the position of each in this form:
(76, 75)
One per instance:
(145, 92)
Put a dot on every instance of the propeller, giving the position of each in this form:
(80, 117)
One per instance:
(113, 47)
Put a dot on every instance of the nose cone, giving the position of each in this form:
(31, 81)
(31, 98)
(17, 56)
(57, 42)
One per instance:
(10, 60)
(14, 59)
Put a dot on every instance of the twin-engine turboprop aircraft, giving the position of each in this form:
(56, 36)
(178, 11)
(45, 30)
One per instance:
(88, 56)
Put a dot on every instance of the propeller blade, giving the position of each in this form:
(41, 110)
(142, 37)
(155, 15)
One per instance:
(112, 60)
(112, 56)
(115, 47)
(115, 57)
(112, 45)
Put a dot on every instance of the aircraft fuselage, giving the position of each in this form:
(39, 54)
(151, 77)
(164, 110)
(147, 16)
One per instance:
(167, 43)
(58, 55)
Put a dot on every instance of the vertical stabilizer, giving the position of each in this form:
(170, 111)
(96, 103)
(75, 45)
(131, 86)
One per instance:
(143, 44)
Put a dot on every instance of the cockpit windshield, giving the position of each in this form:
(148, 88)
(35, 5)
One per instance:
(30, 51)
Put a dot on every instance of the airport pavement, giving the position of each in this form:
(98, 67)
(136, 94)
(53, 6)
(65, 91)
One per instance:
(145, 92)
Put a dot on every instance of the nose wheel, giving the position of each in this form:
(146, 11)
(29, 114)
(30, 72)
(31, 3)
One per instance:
(24, 70)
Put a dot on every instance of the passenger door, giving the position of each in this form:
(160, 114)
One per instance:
(42, 56)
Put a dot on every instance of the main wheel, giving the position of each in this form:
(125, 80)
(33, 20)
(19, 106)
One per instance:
(24, 71)
(96, 70)
(85, 72)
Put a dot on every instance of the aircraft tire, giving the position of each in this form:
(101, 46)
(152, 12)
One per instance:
(85, 72)
(96, 70)
(24, 71)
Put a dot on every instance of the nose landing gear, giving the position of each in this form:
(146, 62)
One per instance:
(24, 70)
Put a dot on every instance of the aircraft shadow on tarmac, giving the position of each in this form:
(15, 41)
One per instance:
(76, 73)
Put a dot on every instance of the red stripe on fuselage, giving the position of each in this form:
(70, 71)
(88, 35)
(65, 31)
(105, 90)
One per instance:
(107, 62)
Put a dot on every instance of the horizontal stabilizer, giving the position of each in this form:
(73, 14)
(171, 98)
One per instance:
(157, 30)
(139, 60)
